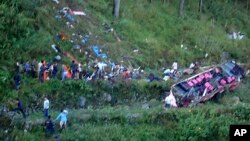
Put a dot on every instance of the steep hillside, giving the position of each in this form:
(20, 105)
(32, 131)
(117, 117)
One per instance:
(154, 29)
(147, 34)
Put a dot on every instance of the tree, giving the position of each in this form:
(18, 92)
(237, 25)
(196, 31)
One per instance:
(181, 8)
(200, 5)
(116, 8)
(248, 4)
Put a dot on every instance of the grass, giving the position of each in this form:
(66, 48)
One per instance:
(157, 32)
(208, 122)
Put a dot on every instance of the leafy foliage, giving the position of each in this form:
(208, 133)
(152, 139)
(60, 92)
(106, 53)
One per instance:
(28, 28)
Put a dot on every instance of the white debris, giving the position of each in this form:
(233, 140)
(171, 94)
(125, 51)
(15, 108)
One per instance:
(80, 13)
(236, 35)
(206, 55)
(56, 1)
(54, 47)
(136, 50)
(182, 46)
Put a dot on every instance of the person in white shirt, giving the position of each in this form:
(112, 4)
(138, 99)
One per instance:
(101, 69)
(167, 102)
(170, 101)
(175, 65)
(192, 65)
(46, 107)
(39, 67)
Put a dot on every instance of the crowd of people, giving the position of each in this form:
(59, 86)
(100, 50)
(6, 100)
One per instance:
(98, 70)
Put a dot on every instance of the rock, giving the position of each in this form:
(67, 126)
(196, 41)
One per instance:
(106, 97)
(82, 101)
(145, 105)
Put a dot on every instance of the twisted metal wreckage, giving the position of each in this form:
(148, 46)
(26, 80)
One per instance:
(205, 85)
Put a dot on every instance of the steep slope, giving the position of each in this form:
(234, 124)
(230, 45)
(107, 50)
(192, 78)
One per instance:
(155, 30)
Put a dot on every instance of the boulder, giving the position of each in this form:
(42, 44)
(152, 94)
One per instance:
(145, 105)
(106, 97)
(82, 101)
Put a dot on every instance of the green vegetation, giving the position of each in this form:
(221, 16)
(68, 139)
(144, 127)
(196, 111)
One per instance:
(28, 28)
(208, 122)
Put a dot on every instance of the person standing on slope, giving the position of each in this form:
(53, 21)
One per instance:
(63, 118)
(17, 80)
(20, 108)
(49, 127)
(46, 107)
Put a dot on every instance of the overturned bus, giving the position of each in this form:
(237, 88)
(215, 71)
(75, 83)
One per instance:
(203, 86)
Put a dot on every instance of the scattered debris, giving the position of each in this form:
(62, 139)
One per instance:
(85, 39)
(69, 25)
(61, 36)
(54, 48)
(206, 55)
(56, 1)
(77, 47)
(236, 35)
(98, 53)
(67, 13)
(136, 50)
(80, 13)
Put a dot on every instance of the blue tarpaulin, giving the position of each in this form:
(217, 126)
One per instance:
(97, 52)
(85, 39)
(104, 55)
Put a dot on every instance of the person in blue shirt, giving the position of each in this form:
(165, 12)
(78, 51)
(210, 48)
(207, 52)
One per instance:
(27, 67)
(63, 118)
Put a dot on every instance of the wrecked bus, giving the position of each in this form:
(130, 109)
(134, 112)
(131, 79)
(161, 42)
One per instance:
(205, 85)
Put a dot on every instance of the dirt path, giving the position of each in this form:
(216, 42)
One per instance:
(67, 54)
